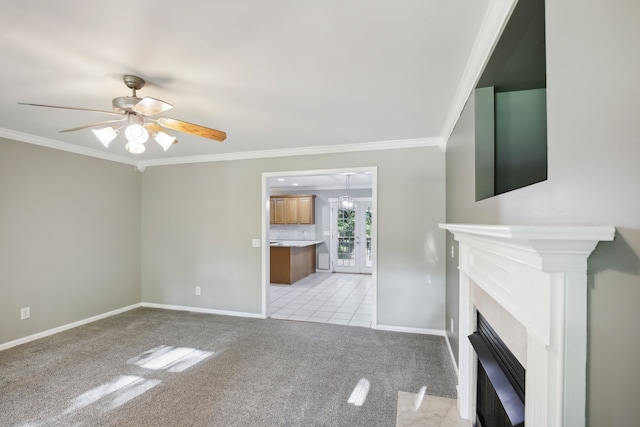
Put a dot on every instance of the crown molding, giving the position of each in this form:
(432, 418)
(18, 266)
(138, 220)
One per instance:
(141, 165)
(302, 151)
(63, 146)
(493, 23)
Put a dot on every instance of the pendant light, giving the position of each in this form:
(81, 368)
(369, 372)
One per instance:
(347, 202)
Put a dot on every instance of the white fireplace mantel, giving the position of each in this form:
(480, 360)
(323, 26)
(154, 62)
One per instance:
(538, 274)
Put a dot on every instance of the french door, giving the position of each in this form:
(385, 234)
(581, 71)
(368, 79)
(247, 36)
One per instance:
(351, 238)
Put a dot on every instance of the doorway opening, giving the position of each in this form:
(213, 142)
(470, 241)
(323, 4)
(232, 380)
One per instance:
(350, 245)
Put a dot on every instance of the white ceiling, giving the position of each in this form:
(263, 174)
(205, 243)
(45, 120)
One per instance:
(275, 75)
(333, 181)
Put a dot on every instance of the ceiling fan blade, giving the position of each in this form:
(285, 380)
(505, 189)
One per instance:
(150, 106)
(187, 127)
(72, 108)
(94, 124)
(153, 127)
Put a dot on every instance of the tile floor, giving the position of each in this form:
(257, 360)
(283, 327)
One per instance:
(416, 409)
(343, 299)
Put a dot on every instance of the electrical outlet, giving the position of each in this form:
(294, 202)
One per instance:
(452, 325)
(197, 290)
(25, 313)
(255, 243)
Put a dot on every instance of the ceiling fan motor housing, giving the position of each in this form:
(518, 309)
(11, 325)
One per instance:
(124, 104)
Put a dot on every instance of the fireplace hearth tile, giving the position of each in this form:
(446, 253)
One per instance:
(427, 411)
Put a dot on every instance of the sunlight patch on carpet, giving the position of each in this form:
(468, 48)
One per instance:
(169, 358)
(360, 392)
(121, 390)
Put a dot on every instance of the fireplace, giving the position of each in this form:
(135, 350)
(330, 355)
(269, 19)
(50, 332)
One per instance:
(500, 380)
(537, 275)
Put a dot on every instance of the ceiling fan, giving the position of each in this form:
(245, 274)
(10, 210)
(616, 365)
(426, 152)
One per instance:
(135, 115)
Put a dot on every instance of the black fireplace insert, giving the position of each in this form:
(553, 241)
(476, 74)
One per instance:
(501, 380)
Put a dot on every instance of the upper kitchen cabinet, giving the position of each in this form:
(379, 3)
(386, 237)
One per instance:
(278, 213)
(292, 209)
(306, 210)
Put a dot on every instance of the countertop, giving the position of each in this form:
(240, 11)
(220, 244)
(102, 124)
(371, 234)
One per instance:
(295, 243)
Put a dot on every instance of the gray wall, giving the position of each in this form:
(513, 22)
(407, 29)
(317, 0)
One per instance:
(69, 237)
(199, 219)
(593, 63)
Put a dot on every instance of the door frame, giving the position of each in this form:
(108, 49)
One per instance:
(373, 170)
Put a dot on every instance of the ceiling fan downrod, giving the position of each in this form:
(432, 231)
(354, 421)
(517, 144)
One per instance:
(134, 83)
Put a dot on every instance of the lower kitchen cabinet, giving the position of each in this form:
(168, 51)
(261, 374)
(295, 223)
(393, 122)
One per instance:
(290, 264)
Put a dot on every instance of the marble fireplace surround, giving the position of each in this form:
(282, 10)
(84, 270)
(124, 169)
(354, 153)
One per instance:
(538, 274)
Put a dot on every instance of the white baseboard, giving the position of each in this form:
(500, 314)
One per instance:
(453, 358)
(202, 310)
(66, 327)
(411, 330)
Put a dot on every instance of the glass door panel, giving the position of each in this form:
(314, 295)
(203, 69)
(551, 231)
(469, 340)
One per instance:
(366, 252)
(352, 238)
(346, 238)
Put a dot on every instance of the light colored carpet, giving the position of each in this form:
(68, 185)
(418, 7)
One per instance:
(151, 367)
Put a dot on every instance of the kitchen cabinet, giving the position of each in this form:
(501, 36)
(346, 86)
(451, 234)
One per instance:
(288, 264)
(306, 210)
(293, 209)
(277, 214)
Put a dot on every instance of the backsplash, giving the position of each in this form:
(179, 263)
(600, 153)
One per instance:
(292, 232)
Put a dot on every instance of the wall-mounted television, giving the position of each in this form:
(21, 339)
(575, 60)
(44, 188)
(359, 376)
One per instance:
(511, 106)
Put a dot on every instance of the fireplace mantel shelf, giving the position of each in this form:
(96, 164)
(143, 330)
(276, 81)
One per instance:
(547, 248)
(534, 232)
(538, 274)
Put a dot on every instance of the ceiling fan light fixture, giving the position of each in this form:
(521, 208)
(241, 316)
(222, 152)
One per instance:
(135, 147)
(165, 140)
(136, 134)
(106, 135)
